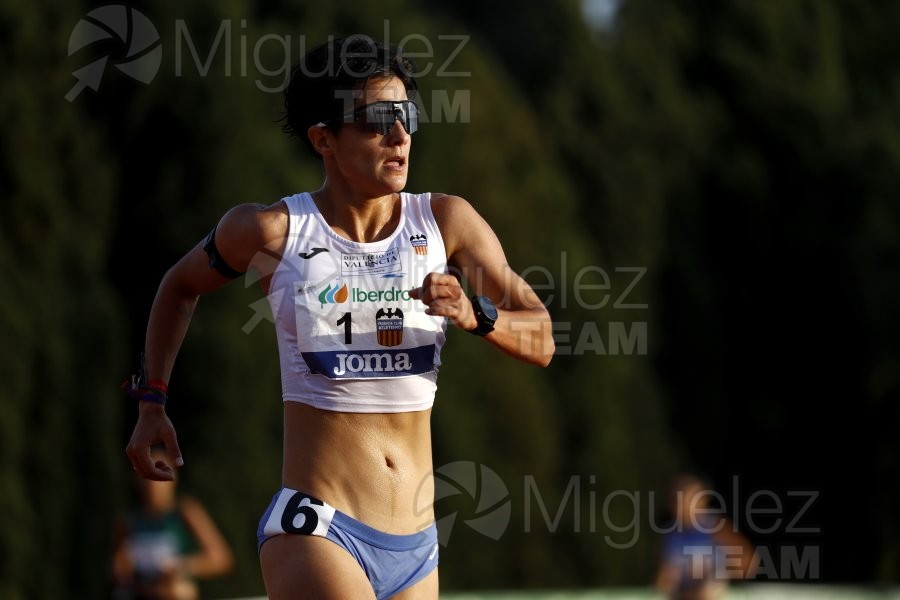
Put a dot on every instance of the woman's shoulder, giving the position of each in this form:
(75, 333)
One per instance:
(190, 505)
(458, 220)
(449, 207)
(249, 232)
(257, 221)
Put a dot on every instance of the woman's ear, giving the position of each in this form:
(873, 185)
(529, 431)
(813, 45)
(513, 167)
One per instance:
(320, 138)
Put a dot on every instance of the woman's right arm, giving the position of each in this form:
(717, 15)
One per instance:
(240, 237)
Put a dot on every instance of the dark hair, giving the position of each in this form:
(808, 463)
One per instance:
(324, 81)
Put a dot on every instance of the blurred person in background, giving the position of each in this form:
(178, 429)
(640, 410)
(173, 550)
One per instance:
(165, 544)
(703, 549)
(358, 275)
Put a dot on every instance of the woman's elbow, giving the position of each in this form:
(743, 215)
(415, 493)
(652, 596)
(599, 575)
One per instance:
(549, 349)
(541, 352)
(226, 562)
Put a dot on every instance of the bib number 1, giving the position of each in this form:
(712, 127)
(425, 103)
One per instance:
(346, 322)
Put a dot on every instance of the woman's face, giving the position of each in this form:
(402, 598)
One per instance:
(692, 501)
(373, 164)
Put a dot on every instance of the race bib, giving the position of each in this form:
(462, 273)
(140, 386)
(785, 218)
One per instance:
(296, 512)
(360, 322)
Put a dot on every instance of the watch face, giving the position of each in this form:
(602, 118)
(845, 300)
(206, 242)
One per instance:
(488, 308)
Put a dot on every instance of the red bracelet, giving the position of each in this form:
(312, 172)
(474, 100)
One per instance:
(158, 384)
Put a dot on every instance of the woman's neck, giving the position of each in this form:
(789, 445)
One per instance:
(358, 218)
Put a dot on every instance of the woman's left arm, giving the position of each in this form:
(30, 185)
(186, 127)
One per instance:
(523, 328)
(213, 557)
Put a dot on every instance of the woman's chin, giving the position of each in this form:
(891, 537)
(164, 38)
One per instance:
(393, 184)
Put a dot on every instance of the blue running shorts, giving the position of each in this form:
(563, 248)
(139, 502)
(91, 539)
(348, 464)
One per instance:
(391, 562)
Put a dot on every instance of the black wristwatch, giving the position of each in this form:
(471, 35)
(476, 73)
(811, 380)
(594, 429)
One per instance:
(485, 314)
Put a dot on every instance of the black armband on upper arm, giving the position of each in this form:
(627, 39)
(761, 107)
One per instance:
(215, 259)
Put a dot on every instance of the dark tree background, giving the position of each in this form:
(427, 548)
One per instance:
(728, 173)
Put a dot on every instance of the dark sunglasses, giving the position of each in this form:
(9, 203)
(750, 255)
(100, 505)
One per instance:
(379, 117)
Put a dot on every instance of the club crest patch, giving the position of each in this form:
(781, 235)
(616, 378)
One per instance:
(419, 243)
(389, 326)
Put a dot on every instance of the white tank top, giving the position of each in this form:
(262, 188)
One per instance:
(350, 338)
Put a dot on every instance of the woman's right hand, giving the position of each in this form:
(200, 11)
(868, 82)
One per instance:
(153, 427)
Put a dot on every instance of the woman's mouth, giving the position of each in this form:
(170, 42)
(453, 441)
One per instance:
(398, 163)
